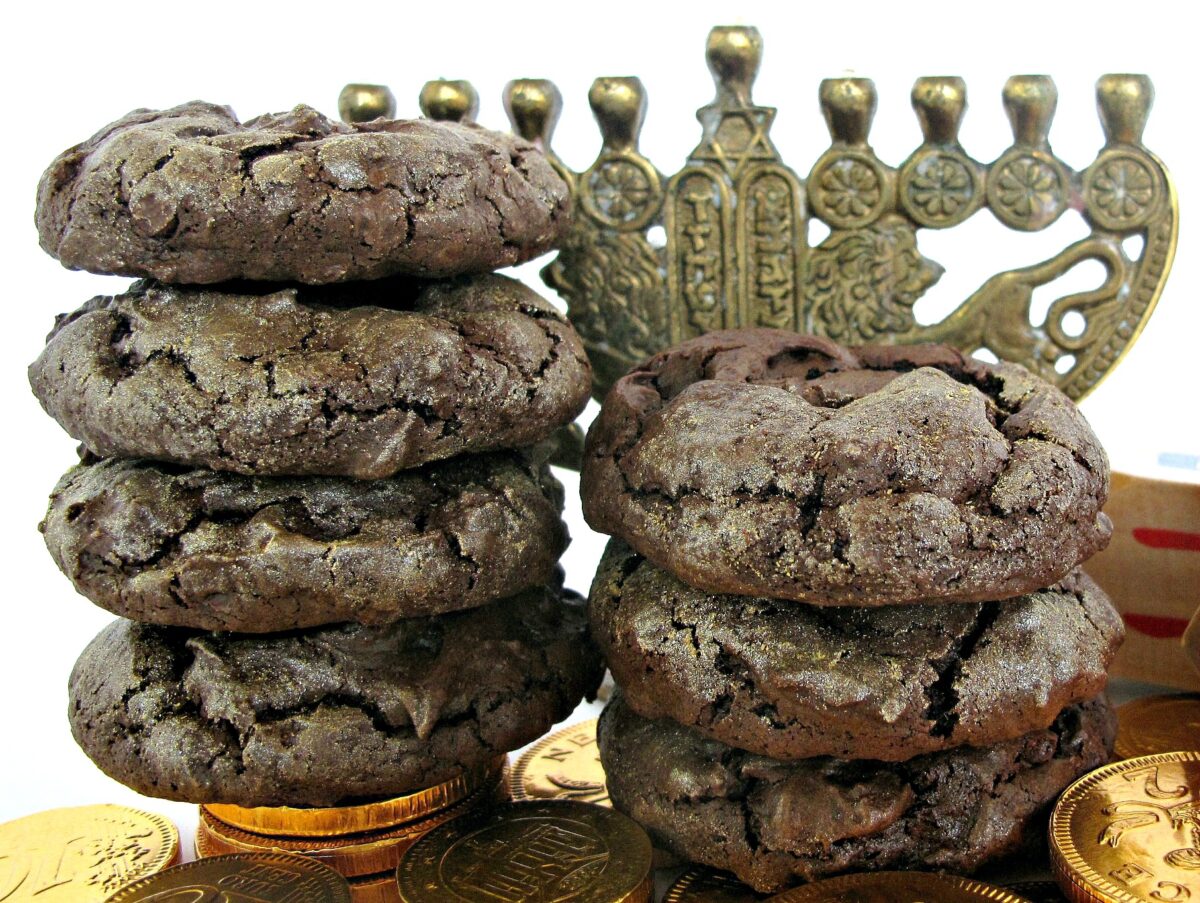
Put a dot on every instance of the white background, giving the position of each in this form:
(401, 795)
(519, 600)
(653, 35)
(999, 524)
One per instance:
(71, 68)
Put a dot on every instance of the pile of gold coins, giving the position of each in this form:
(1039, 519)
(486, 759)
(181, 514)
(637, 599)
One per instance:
(362, 843)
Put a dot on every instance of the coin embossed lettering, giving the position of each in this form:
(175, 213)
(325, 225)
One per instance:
(530, 851)
(588, 791)
(241, 878)
(1131, 830)
(564, 765)
(104, 863)
(81, 853)
(544, 861)
(1151, 786)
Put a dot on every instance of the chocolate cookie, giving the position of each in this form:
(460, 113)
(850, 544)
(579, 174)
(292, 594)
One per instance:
(358, 381)
(774, 823)
(762, 462)
(219, 551)
(791, 681)
(324, 717)
(192, 195)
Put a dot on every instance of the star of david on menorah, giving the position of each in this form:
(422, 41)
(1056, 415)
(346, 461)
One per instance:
(736, 250)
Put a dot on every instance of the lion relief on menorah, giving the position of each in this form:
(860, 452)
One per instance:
(860, 285)
(724, 243)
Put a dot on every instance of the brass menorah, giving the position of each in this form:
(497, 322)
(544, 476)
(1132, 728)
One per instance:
(735, 218)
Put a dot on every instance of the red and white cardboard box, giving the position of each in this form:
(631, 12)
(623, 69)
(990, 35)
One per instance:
(1151, 570)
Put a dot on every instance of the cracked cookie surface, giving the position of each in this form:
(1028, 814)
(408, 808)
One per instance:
(218, 551)
(329, 716)
(790, 681)
(192, 195)
(775, 823)
(358, 381)
(761, 462)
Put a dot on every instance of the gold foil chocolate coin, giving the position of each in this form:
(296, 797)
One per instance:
(1130, 832)
(564, 765)
(1158, 724)
(204, 846)
(82, 854)
(530, 852)
(336, 820)
(703, 885)
(352, 855)
(897, 887)
(245, 878)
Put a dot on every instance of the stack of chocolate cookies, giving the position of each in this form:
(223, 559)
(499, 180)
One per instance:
(842, 605)
(314, 483)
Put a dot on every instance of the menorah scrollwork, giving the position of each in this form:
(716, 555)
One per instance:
(736, 220)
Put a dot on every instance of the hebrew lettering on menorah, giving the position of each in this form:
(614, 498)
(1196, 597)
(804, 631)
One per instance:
(735, 217)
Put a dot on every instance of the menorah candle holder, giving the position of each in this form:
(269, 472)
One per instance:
(736, 250)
